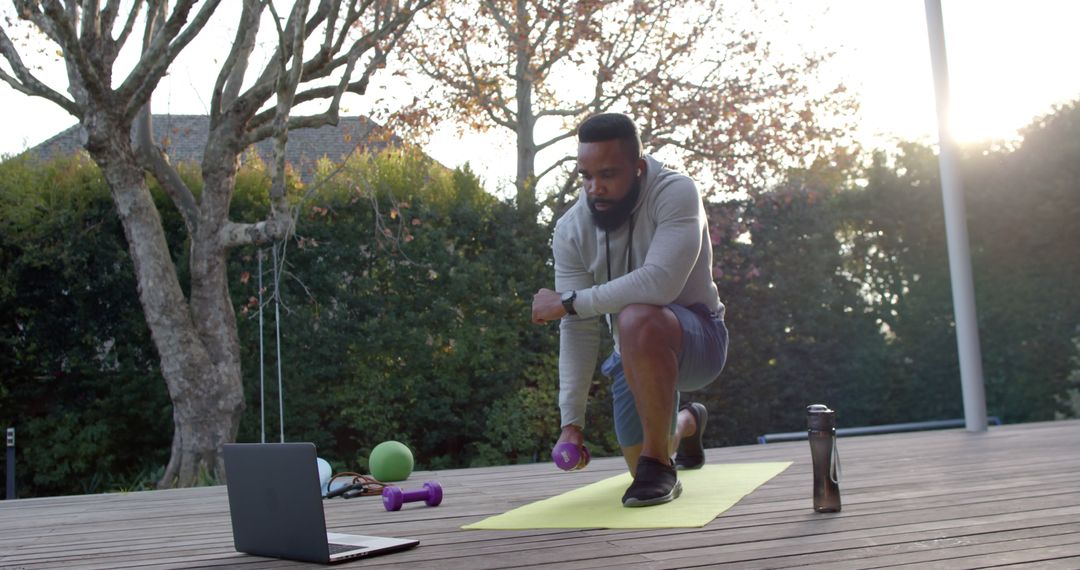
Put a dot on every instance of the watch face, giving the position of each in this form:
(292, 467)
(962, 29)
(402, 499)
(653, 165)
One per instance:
(567, 295)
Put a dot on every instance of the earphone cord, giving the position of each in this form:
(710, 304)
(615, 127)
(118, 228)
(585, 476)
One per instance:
(629, 249)
(607, 253)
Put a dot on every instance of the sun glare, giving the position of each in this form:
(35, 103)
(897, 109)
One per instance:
(986, 120)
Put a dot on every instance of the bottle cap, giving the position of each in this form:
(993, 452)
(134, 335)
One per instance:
(820, 417)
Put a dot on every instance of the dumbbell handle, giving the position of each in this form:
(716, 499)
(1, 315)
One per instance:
(417, 495)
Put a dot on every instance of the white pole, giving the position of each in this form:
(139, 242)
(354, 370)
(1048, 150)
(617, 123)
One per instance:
(963, 289)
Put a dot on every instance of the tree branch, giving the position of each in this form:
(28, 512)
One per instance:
(557, 201)
(267, 130)
(236, 234)
(154, 160)
(261, 126)
(477, 85)
(53, 19)
(108, 15)
(258, 126)
(90, 32)
(136, 89)
(287, 82)
(499, 16)
(331, 23)
(277, 122)
(557, 164)
(31, 10)
(231, 76)
(563, 112)
(553, 57)
(266, 85)
(550, 21)
(556, 139)
(26, 82)
(118, 44)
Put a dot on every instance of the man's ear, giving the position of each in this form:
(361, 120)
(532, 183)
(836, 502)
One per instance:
(641, 166)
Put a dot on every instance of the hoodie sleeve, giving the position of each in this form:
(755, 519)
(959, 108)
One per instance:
(580, 337)
(672, 255)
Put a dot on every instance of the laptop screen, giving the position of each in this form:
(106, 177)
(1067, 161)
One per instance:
(274, 500)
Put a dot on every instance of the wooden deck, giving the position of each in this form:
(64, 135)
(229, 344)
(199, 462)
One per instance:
(948, 499)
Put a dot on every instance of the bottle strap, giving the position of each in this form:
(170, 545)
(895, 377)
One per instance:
(834, 463)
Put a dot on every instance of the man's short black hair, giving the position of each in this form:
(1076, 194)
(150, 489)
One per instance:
(612, 126)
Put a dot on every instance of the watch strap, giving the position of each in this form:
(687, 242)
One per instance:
(568, 303)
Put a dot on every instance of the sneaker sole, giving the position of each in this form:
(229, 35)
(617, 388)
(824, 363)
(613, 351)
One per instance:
(674, 494)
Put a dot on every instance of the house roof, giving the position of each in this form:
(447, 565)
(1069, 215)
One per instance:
(184, 137)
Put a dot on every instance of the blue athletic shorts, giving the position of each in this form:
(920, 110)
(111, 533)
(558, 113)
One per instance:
(704, 352)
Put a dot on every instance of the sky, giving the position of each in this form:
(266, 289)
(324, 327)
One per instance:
(1009, 62)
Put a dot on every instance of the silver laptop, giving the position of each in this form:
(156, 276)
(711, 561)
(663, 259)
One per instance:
(276, 507)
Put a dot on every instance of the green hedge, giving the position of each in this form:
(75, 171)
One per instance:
(406, 296)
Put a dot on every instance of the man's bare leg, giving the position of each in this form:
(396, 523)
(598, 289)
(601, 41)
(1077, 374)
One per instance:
(685, 425)
(650, 339)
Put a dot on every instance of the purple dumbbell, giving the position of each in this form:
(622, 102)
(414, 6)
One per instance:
(570, 457)
(394, 497)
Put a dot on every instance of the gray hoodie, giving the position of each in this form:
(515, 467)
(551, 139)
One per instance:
(670, 261)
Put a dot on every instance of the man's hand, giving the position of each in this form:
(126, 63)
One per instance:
(547, 306)
(572, 434)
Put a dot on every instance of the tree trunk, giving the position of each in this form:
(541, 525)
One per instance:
(209, 417)
(526, 162)
(526, 120)
(197, 343)
(198, 439)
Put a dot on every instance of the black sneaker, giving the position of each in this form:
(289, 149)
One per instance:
(654, 483)
(691, 452)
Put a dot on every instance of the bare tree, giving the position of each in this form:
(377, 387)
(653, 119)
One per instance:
(322, 52)
(698, 85)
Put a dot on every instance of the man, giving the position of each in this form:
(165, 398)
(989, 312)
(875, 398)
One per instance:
(636, 249)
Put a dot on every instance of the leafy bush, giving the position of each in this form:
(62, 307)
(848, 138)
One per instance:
(406, 294)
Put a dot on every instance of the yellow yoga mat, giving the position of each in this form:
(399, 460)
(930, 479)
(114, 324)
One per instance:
(707, 492)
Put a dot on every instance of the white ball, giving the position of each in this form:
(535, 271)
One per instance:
(324, 473)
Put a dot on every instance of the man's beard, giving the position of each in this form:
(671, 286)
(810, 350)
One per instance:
(614, 217)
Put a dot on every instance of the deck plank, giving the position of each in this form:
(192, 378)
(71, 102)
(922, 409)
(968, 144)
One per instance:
(1007, 498)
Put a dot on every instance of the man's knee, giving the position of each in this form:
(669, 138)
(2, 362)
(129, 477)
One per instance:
(648, 325)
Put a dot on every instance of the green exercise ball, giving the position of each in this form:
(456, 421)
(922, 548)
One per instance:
(391, 461)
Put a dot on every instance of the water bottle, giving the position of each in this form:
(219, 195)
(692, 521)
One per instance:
(821, 422)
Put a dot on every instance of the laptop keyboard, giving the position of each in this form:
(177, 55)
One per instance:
(339, 548)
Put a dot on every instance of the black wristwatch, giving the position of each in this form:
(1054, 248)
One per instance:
(568, 301)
